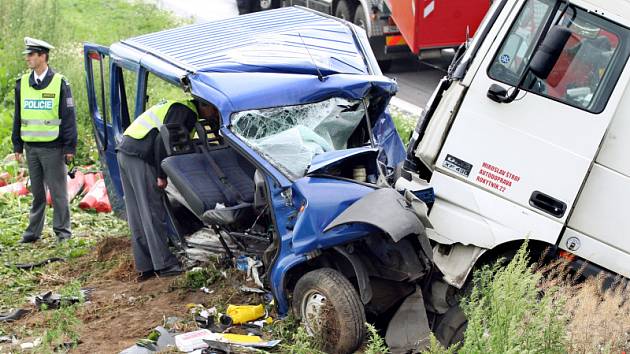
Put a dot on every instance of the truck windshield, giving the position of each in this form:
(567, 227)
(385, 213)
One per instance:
(289, 137)
(588, 68)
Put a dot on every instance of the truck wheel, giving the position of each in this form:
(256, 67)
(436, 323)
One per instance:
(345, 11)
(451, 328)
(360, 19)
(269, 4)
(330, 310)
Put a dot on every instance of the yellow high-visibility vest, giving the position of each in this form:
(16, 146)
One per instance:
(153, 118)
(39, 110)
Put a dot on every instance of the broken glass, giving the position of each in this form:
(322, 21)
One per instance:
(290, 136)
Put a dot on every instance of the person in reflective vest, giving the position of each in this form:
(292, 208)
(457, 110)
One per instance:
(44, 125)
(139, 154)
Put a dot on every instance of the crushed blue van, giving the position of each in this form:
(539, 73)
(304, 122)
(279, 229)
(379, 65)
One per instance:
(298, 174)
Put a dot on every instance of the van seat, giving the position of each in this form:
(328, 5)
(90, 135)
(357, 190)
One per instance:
(192, 175)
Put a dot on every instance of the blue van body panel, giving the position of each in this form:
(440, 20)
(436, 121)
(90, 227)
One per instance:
(283, 57)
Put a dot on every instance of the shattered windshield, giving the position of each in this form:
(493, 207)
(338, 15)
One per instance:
(289, 137)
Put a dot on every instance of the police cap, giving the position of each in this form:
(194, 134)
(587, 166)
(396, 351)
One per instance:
(36, 45)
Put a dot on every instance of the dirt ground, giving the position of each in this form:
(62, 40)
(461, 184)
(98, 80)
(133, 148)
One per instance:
(121, 310)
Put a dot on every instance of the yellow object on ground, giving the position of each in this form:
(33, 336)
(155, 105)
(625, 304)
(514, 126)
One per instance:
(245, 313)
(241, 338)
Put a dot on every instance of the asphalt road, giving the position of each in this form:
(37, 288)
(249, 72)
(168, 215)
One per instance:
(415, 79)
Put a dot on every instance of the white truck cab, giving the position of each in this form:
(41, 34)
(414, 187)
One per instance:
(528, 137)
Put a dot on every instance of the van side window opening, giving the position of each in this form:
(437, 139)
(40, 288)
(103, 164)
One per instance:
(588, 68)
(100, 70)
(159, 90)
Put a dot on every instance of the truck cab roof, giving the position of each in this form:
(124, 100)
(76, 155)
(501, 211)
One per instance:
(616, 10)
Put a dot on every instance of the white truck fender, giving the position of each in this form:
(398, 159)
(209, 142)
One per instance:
(456, 261)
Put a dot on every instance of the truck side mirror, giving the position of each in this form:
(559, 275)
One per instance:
(548, 53)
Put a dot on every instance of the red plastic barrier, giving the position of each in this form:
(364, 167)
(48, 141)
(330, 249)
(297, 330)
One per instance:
(96, 196)
(90, 181)
(103, 205)
(17, 188)
(5, 177)
(75, 184)
(74, 187)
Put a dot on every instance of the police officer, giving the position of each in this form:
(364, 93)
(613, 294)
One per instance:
(140, 153)
(45, 126)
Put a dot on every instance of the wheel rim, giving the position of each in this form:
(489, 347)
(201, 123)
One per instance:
(361, 23)
(265, 4)
(313, 303)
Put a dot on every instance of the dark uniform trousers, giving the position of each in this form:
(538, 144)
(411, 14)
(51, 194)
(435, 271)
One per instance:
(46, 167)
(145, 213)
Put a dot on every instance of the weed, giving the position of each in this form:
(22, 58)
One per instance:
(67, 24)
(597, 315)
(506, 312)
(375, 343)
(61, 328)
(300, 343)
(435, 347)
(405, 125)
(198, 278)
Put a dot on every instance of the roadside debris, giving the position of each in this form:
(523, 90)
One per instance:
(31, 345)
(203, 338)
(13, 315)
(160, 339)
(31, 266)
(250, 266)
(8, 339)
(206, 240)
(245, 313)
(50, 300)
(247, 289)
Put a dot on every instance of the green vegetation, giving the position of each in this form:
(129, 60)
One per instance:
(67, 24)
(405, 124)
(300, 343)
(507, 313)
(375, 343)
(198, 278)
(62, 326)
(18, 284)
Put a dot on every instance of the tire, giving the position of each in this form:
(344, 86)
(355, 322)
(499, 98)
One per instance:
(269, 4)
(118, 204)
(359, 18)
(451, 327)
(246, 6)
(328, 291)
(345, 10)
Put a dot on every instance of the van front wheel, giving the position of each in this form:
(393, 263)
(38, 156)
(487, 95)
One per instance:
(330, 310)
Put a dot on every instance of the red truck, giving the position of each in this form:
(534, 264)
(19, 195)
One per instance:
(399, 28)
(427, 25)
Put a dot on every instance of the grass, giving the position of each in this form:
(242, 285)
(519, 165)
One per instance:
(522, 309)
(67, 24)
(62, 325)
(405, 124)
(198, 278)
(375, 343)
(506, 313)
